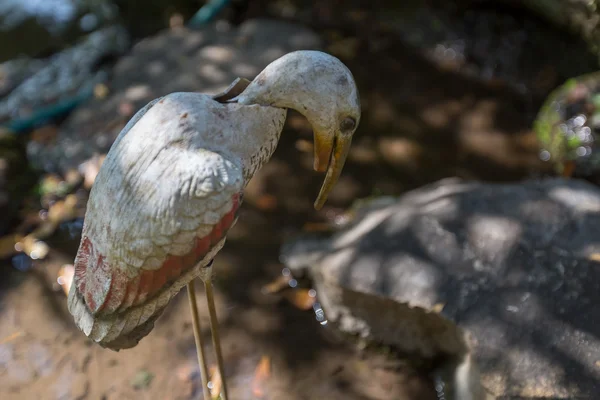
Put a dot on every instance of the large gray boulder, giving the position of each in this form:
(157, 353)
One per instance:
(501, 281)
(175, 60)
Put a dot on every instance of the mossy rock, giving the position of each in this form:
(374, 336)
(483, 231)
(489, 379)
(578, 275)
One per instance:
(568, 125)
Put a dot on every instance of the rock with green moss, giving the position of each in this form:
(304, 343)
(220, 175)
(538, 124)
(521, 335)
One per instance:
(568, 125)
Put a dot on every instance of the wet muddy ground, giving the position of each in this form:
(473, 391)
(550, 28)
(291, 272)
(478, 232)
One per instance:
(43, 356)
(423, 120)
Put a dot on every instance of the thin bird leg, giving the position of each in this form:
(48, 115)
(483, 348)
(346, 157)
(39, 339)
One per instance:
(206, 277)
(198, 337)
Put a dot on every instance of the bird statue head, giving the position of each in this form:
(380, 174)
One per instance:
(322, 88)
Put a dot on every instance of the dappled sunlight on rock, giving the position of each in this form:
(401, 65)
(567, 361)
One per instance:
(507, 263)
(492, 238)
(583, 200)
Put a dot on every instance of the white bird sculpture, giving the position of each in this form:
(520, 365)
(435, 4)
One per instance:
(171, 185)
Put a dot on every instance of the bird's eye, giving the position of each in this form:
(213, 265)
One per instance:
(348, 124)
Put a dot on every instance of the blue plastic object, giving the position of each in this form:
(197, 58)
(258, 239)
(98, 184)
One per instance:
(207, 13)
(46, 114)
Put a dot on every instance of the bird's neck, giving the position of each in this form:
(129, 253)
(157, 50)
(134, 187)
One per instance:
(257, 138)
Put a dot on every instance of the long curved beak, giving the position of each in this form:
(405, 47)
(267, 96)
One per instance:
(330, 156)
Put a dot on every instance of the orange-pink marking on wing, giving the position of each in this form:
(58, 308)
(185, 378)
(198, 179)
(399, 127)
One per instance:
(81, 264)
(146, 279)
(109, 290)
(130, 293)
(116, 293)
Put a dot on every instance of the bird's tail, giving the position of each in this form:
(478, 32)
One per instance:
(118, 330)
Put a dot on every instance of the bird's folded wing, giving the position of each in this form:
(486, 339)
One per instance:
(146, 237)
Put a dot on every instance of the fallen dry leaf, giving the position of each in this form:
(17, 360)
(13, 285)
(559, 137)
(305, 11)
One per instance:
(65, 277)
(318, 227)
(261, 374)
(12, 337)
(63, 210)
(438, 307)
(32, 246)
(216, 384)
(73, 177)
(277, 284)
(568, 168)
(594, 257)
(303, 299)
